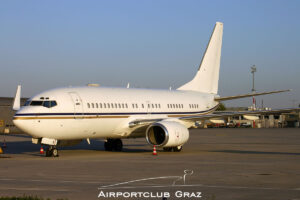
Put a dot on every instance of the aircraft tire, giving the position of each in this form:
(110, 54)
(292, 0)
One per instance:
(54, 152)
(108, 145)
(48, 152)
(117, 145)
(167, 149)
(177, 149)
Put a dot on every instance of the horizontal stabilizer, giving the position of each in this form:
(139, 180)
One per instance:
(248, 95)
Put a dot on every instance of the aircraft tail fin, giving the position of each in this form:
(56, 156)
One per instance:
(207, 77)
(17, 100)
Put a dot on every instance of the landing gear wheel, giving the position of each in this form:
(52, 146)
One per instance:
(108, 145)
(48, 152)
(52, 152)
(113, 145)
(55, 152)
(177, 149)
(117, 145)
(167, 149)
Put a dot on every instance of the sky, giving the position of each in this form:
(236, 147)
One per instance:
(151, 44)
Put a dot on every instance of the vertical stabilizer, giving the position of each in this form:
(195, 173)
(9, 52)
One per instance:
(17, 100)
(207, 77)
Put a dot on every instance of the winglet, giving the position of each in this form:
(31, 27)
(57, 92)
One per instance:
(17, 100)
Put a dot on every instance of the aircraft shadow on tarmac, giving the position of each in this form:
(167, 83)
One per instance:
(256, 152)
(26, 147)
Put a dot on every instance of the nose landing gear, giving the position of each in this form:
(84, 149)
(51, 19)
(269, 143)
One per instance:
(52, 151)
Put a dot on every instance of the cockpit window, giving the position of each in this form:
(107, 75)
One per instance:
(53, 103)
(36, 103)
(47, 104)
(27, 103)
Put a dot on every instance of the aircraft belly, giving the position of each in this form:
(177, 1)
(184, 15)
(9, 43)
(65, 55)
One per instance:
(69, 129)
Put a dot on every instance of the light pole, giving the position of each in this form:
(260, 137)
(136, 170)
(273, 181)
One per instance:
(253, 70)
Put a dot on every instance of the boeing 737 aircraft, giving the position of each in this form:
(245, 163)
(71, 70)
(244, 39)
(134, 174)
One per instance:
(66, 116)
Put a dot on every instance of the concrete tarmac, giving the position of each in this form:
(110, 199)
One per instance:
(222, 164)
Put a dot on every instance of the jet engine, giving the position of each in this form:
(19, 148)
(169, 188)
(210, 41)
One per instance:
(167, 134)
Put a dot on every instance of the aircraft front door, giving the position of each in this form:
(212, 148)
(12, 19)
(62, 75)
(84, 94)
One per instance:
(78, 106)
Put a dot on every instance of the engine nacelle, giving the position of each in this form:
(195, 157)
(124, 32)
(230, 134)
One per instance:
(167, 134)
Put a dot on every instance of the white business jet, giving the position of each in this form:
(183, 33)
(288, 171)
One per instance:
(66, 116)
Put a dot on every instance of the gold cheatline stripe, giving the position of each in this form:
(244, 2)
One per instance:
(77, 117)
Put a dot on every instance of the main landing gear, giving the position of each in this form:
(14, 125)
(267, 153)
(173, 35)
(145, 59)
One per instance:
(51, 151)
(175, 149)
(113, 145)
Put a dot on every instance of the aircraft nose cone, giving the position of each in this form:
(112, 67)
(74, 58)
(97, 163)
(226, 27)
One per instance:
(18, 123)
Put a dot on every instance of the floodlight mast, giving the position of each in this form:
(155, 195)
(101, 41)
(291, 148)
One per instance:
(253, 70)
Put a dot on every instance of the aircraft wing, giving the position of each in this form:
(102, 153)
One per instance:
(223, 114)
(231, 114)
(248, 95)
